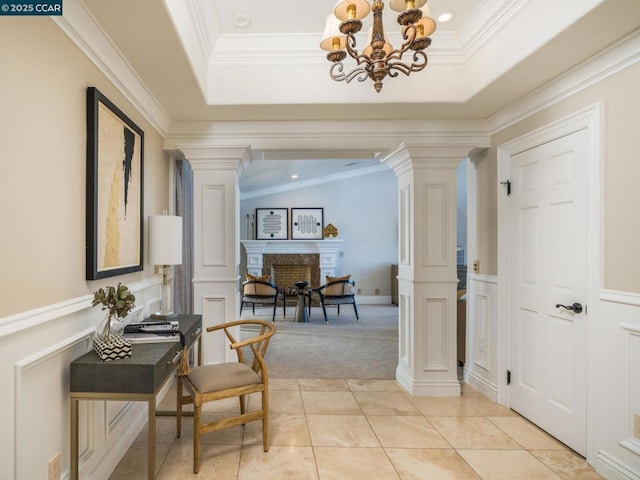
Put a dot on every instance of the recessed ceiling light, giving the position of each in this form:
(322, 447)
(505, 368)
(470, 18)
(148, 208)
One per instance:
(241, 20)
(445, 17)
(294, 176)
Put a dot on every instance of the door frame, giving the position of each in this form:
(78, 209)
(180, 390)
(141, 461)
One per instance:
(589, 119)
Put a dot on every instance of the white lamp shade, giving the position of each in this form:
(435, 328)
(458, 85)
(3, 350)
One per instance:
(362, 9)
(428, 23)
(165, 240)
(400, 5)
(332, 31)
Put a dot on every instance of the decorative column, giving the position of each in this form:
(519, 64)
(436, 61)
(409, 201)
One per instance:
(427, 277)
(216, 240)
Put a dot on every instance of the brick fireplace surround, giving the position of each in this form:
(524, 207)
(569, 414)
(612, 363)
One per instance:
(287, 269)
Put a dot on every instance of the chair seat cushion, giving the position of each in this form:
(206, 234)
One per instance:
(338, 300)
(212, 378)
(258, 298)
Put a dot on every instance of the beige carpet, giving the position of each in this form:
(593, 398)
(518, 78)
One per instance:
(341, 349)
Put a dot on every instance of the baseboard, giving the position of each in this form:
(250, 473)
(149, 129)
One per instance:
(612, 468)
(373, 299)
(488, 389)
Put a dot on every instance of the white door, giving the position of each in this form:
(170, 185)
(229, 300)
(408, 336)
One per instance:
(547, 267)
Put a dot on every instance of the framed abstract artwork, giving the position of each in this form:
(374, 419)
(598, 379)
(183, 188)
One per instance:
(271, 223)
(307, 223)
(114, 193)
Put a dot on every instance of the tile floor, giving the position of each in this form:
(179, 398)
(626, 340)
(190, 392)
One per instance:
(363, 429)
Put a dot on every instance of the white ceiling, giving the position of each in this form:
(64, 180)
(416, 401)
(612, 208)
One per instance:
(201, 67)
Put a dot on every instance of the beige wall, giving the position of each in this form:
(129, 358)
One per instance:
(621, 170)
(42, 181)
(486, 165)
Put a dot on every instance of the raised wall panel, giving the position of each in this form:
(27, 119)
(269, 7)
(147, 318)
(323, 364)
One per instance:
(436, 226)
(34, 382)
(629, 384)
(405, 331)
(214, 344)
(405, 226)
(436, 338)
(482, 338)
(328, 260)
(481, 332)
(213, 210)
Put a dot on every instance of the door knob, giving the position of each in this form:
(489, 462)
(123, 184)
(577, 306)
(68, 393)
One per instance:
(575, 308)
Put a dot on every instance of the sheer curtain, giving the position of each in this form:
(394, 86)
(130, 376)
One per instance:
(183, 274)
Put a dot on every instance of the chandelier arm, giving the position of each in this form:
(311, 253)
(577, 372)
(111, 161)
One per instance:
(409, 37)
(341, 76)
(406, 45)
(419, 63)
(353, 53)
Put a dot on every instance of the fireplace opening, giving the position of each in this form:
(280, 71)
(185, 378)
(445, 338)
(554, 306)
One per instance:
(287, 269)
(286, 276)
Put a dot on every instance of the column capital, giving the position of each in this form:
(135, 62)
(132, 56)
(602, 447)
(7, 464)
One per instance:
(207, 157)
(409, 156)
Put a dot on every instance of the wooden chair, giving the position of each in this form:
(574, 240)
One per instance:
(263, 293)
(237, 379)
(337, 291)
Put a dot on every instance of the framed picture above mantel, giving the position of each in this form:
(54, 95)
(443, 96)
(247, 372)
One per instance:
(307, 223)
(272, 223)
(114, 193)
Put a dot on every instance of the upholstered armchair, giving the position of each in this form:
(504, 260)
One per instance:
(336, 291)
(258, 291)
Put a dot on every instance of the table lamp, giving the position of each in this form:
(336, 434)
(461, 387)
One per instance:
(165, 249)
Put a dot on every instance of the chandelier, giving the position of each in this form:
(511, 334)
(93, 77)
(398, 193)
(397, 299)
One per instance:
(379, 58)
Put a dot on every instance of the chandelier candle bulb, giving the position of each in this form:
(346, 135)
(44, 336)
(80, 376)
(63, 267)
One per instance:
(404, 5)
(352, 9)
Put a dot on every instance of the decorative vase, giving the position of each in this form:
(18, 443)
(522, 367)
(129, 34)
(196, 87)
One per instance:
(109, 346)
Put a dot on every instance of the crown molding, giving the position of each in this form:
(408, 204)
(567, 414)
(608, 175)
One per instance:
(612, 60)
(313, 182)
(83, 30)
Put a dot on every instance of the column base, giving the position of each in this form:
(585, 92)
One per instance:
(428, 388)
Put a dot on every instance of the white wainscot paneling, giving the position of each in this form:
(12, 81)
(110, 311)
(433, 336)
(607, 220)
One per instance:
(480, 368)
(629, 384)
(617, 389)
(36, 348)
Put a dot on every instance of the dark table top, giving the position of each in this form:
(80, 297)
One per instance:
(144, 372)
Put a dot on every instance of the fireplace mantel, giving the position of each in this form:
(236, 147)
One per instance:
(328, 251)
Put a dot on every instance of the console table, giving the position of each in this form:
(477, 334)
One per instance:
(137, 378)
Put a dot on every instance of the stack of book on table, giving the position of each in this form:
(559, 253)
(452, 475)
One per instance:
(152, 332)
